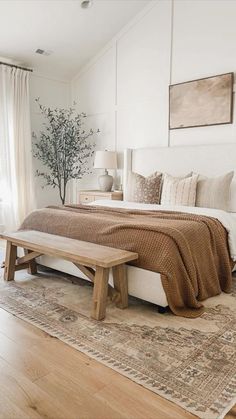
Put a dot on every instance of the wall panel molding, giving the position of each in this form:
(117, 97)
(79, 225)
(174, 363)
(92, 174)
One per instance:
(169, 41)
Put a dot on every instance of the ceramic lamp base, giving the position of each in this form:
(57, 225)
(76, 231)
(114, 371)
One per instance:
(105, 182)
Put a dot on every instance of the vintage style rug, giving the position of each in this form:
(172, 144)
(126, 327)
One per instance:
(191, 362)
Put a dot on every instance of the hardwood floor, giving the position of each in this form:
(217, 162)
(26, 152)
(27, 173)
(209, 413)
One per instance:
(41, 377)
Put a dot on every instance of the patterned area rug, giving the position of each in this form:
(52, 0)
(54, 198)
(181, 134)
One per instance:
(191, 362)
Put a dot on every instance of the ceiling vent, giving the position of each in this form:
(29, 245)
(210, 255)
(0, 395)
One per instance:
(43, 52)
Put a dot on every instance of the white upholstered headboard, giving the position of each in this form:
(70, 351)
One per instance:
(209, 160)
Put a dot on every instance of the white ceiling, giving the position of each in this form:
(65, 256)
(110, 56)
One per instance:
(62, 26)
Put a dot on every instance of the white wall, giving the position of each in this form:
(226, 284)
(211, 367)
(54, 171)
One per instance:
(51, 93)
(94, 92)
(124, 89)
(204, 44)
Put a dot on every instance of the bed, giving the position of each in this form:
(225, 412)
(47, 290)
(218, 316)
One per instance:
(210, 160)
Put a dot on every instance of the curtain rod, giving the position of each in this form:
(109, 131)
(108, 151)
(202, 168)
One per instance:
(16, 66)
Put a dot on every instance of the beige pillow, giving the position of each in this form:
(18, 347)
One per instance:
(214, 192)
(144, 189)
(179, 190)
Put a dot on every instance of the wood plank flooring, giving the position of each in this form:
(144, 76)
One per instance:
(41, 377)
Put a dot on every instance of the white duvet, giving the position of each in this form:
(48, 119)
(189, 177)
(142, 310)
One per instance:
(227, 219)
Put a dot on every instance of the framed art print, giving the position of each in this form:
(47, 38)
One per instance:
(202, 102)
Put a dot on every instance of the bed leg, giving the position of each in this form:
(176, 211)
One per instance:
(161, 310)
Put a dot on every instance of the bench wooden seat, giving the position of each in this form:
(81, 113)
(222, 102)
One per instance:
(92, 259)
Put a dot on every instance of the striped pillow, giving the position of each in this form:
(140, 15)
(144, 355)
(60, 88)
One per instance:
(179, 190)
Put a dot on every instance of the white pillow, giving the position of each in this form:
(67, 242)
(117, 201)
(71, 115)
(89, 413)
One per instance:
(179, 190)
(214, 192)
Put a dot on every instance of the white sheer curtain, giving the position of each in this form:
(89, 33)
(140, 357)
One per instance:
(17, 197)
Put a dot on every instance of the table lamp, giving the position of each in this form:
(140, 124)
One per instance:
(105, 160)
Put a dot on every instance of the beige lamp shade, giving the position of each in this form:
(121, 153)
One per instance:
(105, 160)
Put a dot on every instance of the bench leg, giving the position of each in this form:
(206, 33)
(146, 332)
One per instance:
(10, 262)
(100, 293)
(32, 269)
(120, 284)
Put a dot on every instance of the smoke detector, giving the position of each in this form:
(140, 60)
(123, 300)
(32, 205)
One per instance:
(85, 4)
(43, 51)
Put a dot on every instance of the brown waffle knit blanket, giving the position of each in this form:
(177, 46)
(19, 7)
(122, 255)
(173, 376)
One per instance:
(189, 251)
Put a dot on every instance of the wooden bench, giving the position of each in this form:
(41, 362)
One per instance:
(92, 259)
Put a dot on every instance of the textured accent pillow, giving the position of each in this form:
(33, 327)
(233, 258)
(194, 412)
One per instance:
(144, 189)
(214, 192)
(179, 190)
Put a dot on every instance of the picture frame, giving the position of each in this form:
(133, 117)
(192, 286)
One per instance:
(201, 102)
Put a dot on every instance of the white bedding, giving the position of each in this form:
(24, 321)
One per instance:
(228, 220)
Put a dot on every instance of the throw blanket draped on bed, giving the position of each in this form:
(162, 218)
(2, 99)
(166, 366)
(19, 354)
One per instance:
(189, 251)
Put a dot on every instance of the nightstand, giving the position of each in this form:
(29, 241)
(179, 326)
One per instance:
(86, 196)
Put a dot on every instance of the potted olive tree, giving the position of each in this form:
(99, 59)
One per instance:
(63, 147)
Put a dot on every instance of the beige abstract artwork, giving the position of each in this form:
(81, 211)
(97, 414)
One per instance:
(201, 102)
